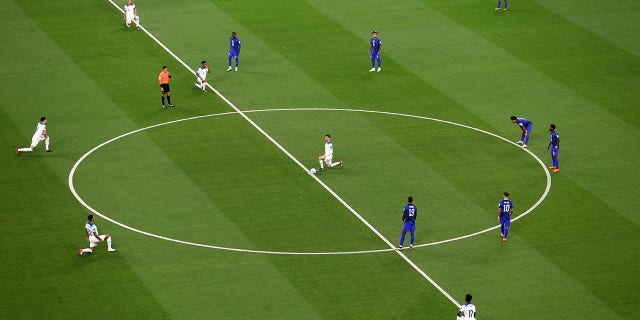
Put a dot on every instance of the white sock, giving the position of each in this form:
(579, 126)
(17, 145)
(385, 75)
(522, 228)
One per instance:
(46, 143)
(109, 243)
(321, 164)
(335, 164)
(25, 150)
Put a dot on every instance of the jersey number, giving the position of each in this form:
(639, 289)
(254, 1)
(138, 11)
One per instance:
(506, 207)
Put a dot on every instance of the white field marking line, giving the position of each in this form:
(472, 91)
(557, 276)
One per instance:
(72, 187)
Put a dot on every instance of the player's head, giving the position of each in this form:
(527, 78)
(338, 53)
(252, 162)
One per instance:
(204, 62)
(468, 298)
(327, 137)
(164, 68)
(43, 119)
(90, 218)
(233, 34)
(374, 34)
(514, 119)
(552, 127)
(505, 194)
(410, 199)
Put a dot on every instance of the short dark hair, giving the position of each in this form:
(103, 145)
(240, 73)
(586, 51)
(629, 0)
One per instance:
(376, 32)
(43, 118)
(410, 199)
(164, 67)
(90, 217)
(468, 297)
(233, 33)
(514, 118)
(327, 135)
(203, 62)
(552, 126)
(506, 194)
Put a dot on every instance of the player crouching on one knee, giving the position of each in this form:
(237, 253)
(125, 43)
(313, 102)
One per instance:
(327, 157)
(93, 237)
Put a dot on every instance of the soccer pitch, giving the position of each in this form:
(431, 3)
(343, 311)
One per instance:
(210, 204)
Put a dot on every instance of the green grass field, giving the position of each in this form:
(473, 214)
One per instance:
(218, 181)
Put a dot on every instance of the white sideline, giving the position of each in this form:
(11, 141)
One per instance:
(411, 263)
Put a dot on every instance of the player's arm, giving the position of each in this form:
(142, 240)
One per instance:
(379, 48)
(44, 133)
(558, 144)
(524, 130)
(404, 217)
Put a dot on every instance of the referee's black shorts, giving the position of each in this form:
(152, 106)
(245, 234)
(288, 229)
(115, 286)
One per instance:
(165, 88)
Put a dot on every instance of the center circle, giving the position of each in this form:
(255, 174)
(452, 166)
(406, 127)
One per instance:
(96, 212)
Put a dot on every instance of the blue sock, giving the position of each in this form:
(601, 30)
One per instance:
(502, 229)
(526, 140)
(522, 137)
(373, 62)
(402, 238)
(237, 61)
(555, 163)
(229, 61)
(379, 63)
(499, 3)
(412, 238)
(506, 3)
(506, 232)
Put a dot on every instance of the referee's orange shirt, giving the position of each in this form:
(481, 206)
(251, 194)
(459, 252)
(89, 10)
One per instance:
(163, 77)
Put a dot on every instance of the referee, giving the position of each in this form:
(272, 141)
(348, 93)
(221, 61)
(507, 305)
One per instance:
(163, 78)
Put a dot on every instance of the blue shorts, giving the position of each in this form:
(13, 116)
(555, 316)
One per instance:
(505, 222)
(375, 56)
(408, 227)
(233, 54)
(554, 151)
(529, 128)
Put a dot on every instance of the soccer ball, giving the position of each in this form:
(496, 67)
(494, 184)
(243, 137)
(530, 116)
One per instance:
(313, 171)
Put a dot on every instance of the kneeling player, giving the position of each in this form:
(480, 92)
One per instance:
(94, 238)
(201, 76)
(131, 14)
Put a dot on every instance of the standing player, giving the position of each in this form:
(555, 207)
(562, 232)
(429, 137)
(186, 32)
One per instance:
(506, 3)
(525, 126)
(505, 210)
(328, 154)
(93, 237)
(131, 14)
(201, 76)
(554, 147)
(39, 135)
(163, 78)
(468, 310)
(375, 45)
(234, 50)
(409, 215)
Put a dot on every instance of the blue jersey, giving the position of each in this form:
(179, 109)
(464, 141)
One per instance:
(555, 138)
(505, 207)
(409, 213)
(375, 43)
(524, 122)
(234, 45)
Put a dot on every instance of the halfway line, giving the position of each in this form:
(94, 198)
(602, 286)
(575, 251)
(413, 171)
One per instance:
(264, 133)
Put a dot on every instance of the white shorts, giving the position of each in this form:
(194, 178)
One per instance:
(200, 81)
(132, 18)
(93, 241)
(327, 159)
(36, 140)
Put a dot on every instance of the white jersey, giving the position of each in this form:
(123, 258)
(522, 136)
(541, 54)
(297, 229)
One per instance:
(129, 10)
(91, 229)
(40, 129)
(469, 312)
(328, 149)
(202, 72)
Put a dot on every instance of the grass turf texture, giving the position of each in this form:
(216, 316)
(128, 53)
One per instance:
(218, 181)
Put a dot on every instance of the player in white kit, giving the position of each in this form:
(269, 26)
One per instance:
(131, 14)
(328, 154)
(93, 237)
(468, 310)
(39, 135)
(201, 76)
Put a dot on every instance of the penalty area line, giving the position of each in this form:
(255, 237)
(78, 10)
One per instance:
(295, 160)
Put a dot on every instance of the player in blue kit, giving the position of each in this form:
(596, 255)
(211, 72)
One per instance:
(505, 210)
(554, 147)
(234, 50)
(525, 126)
(409, 214)
(375, 45)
